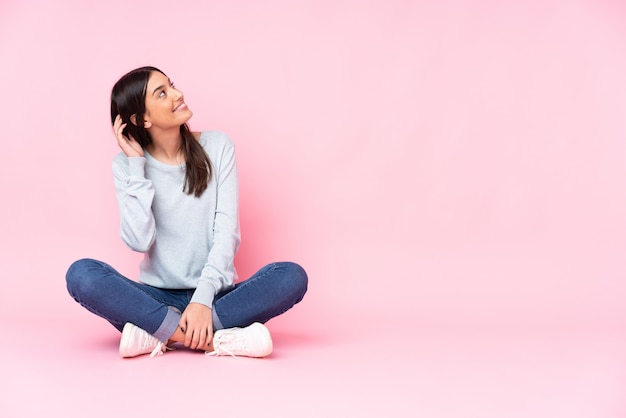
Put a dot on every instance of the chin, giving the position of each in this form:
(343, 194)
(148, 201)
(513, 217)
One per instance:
(188, 114)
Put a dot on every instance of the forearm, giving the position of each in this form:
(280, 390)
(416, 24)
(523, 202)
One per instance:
(135, 194)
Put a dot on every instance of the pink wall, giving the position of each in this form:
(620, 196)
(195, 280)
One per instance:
(446, 161)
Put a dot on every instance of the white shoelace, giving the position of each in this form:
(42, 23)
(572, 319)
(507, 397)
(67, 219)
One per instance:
(160, 349)
(218, 350)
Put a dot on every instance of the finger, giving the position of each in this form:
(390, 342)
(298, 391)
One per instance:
(188, 336)
(182, 323)
(117, 124)
(202, 339)
(195, 339)
(120, 133)
(118, 129)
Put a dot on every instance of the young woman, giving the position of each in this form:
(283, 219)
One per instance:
(177, 194)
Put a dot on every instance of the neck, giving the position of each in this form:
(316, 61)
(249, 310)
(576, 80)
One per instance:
(167, 146)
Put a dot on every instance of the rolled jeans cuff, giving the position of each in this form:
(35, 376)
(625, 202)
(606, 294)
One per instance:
(168, 326)
(217, 324)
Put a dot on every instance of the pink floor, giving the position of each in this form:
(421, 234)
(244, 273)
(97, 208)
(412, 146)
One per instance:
(371, 369)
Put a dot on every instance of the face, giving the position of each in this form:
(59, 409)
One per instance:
(165, 105)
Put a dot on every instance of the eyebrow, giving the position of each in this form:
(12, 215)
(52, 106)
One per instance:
(160, 87)
(157, 89)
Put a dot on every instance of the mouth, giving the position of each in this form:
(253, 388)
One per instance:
(181, 106)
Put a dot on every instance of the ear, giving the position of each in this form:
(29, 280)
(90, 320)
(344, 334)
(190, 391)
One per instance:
(146, 124)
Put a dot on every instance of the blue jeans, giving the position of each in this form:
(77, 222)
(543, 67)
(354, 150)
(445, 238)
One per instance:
(103, 291)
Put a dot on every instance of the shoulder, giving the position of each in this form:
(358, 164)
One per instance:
(213, 139)
(215, 143)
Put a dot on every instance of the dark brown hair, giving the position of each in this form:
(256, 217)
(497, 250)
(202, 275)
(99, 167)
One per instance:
(128, 98)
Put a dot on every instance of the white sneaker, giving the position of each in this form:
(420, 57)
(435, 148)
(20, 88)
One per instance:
(135, 341)
(251, 341)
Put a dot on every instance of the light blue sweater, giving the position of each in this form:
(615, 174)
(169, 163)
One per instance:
(189, 242)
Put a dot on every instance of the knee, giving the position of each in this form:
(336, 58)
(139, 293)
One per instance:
(296, 279)
(79, 276)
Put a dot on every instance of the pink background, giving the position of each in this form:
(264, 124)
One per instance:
(451, 174)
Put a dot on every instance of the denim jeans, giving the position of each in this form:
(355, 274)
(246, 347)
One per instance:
(103, 291)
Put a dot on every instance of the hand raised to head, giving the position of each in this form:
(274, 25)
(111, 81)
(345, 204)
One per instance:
(128, 144)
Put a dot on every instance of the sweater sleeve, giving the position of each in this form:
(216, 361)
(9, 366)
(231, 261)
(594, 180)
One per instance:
(219, 271)
(134, 198)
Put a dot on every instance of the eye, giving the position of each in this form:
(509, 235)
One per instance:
(162, 93)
